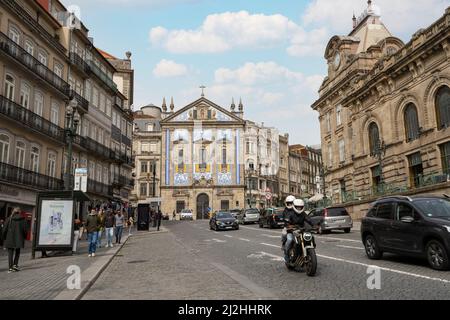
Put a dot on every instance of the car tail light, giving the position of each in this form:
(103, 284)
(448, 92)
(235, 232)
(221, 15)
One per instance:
(325, 213)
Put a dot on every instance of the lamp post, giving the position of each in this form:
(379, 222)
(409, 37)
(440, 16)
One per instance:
(72, 122)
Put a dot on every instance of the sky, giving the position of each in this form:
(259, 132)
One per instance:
(267, 52)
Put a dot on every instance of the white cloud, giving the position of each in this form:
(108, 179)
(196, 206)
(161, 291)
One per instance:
(230, 30)
(401, 17)
(167, 68)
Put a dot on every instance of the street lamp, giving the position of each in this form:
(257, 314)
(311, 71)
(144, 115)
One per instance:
(72, 121)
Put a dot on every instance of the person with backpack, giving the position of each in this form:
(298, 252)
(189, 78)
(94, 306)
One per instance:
(92, 223)
(14, 234)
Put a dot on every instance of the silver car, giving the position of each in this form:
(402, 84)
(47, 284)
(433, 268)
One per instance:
(249, 216)
(331, 218)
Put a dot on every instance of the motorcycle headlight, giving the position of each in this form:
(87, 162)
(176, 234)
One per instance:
(448, 228)
(307, 236)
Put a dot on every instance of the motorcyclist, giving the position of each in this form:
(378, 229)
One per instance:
(289, 209)
(295, 220)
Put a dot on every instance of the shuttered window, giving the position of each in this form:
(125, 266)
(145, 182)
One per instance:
(411, 123)
(443, 107)
(374, 138)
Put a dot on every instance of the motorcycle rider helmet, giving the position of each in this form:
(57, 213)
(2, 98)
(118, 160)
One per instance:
(290, 202)
(299, 206)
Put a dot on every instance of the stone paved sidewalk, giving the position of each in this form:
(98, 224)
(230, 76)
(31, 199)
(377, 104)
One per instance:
(46, 278)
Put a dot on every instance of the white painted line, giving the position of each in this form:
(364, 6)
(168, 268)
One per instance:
(386, 269)
(258, 229)
(350, 247)
(220, 241)
(341, 239)
(274, 257)
(228, 236)
(270, 236)
(244, 239)
(270, 245)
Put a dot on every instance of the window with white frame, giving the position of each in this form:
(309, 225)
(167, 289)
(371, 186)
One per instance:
(4, 148)
(10, 87)
(145, 147)
(20, 154)
(34, 165)
(43, 57)
(95, 97)
(38, 103)
(29, 47)
(108, 107)
(51, 164)
(341, 144)
(339, 115)
(14, 34)
(58, 69)
(153, 147)
(91, 172)
(25, 93)
(99, 173)
(54, 116)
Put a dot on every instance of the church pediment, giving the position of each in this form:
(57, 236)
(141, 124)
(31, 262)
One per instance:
(203, 110)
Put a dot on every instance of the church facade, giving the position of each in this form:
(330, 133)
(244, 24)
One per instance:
(202, 158)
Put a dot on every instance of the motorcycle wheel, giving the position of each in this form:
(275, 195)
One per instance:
(311, 266)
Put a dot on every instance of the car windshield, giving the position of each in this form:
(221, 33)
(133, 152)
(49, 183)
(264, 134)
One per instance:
(279, 211)
(434, 208)
(337, 212)
(254, 211)
(224, 215)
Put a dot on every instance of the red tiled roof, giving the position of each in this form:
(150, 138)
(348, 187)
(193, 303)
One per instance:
(106, 54)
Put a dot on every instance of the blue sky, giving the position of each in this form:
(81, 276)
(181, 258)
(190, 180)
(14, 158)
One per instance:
(269, 52)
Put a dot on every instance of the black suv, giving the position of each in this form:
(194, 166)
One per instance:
(414, 226)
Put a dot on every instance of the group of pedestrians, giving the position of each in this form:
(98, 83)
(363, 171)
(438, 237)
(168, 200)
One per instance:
(110, 223)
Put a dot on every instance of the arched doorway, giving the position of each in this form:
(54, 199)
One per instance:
(202, 206)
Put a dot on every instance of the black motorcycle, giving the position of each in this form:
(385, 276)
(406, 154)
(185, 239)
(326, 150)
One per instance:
(302, 253)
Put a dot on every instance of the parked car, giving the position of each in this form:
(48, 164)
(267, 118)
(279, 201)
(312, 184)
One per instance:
(248, 216)
(223, 221)
(186, 214)
(235, 212)
(272, 218)
(331, 218)
(414, 226)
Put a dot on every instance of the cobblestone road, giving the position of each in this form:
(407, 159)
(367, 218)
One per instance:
(192, 262)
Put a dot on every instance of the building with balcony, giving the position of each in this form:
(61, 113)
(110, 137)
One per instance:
(262, 165)
(147, 138)
(384, 112)
(47, 60)
(33, 96)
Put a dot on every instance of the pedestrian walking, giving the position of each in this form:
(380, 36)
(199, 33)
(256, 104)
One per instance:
(130, 225)
(14, 234)
(109, 228)
(174, 215)
(158, 218)
(119, 222)
(92, 223)
(1, 232)
(76, 234)
(101, 227)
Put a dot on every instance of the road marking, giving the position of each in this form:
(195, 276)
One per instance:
(341, 239)
(261, 255)
(385, 269)
(270, 236)
(270, 245)
(228, 236)
(246, 282)
(350, 247)
(244, 239)
(217, 240)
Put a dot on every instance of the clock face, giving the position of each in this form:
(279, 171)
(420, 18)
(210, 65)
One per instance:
(337, 60)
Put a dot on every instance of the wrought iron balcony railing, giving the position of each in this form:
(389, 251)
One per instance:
(99, 188)
(79, 63)
(82, 102)
(95, 147)
(16, 175)
(106, 80)
(25, 17)
(29, 119)
(16, 52)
